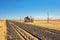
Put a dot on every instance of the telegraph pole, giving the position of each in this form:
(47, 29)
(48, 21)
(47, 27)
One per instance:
(20, 18)
(47, 17)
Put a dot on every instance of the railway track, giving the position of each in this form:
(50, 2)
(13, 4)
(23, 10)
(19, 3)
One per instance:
(22, 33)
(31, 32)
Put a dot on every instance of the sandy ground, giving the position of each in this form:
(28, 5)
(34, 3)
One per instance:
(2, 30)
(53, 24)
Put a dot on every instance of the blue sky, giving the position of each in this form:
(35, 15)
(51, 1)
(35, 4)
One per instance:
(14, 9)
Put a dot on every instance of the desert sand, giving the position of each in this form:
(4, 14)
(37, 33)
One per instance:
(3, 30)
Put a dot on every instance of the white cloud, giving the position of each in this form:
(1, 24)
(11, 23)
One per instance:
(45, 17)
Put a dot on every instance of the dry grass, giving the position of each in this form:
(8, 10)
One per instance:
(2, 30)
(53, 24)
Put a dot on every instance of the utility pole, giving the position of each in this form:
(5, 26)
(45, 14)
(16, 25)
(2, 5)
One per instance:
(47, 17)
(20, 18)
